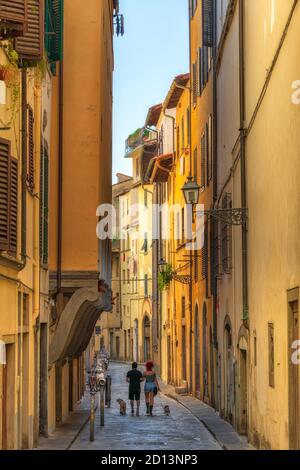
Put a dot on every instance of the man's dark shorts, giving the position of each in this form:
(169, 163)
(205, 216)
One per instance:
(134, 395)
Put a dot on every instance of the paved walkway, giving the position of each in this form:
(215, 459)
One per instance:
(223, 432)
(191, 425)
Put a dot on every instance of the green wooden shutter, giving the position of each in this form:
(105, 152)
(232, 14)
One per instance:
(44, 205)
(207, 22)
(30, 46)
(4, 194)
(54, 20)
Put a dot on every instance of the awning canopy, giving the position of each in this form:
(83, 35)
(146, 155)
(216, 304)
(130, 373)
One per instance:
(159, 168)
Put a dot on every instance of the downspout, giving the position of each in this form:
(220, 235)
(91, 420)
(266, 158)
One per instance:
(24, 169)
(243, 159)
(215, 170)
(191, 255)
(215, 201)
(60, 177)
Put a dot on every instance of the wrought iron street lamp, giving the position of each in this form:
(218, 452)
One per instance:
(183, 279)
(229, 216)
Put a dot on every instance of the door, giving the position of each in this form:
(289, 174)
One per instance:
(4, 406)
(197, 354)
(243, 392)
(117, 347)
(183, 339)
(294, 393)
(169, 360)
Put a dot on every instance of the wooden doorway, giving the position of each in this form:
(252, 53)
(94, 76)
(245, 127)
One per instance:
(197, 354)
(8, 397)
(294, 376)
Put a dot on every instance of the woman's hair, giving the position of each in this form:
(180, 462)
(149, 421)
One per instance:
(149, 365)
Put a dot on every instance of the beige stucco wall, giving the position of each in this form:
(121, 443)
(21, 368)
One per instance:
(273, 170)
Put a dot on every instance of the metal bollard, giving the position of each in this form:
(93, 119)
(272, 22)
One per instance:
(108, 391)
(92, 419)
(102, 392)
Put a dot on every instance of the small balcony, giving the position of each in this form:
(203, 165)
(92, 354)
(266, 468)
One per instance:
(138, 139)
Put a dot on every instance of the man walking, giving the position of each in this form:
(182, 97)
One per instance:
(134, 378)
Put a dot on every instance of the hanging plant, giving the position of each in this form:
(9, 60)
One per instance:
(165, 278)
(9, 73)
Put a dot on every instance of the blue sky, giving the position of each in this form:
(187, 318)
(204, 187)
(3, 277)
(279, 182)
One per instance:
(152, 52)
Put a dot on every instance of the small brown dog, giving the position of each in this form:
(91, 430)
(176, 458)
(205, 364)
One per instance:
(122, 404)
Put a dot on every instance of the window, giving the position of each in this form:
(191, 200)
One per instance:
(54, 29)
(226, 238)
(182, 225)
(146, 285)
(30, 163)
(207, 22)
(188, 117)
(196, 163)
(8, 198)
(124, 276)
(44, 204)
(128, 276)
(203, 161)
(193, 4)
(183, 306)
(210, 150)
(196, 270)
(145, 244)
(271, 355)
(30, 46)
(25, 310)
(145, 198)
(205, 253)
(13, 12)
(182, 134)
(178, 141)
(195, 84)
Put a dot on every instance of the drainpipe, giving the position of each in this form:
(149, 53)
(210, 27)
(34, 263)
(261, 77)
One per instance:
(243, 158)
(191, 255)
(60, 177)
(24, 168)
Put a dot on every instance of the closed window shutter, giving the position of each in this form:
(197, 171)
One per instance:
(195, 84)
(210, 148)
(205, 254)
(207, 22)
(30, 46)
(44, 205)
(30, 168)
(54, 15)
(13, 212)
(196, 163)
(203, 164)
(4, 194)
(8, 199)
(13, 15)
(207, 157)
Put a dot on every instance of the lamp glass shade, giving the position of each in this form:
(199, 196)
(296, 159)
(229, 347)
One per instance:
(191, 191)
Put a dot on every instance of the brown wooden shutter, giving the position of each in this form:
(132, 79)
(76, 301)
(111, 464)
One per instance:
(4, 194)
(30, 166)
(31, 45)
(13, 16)
(13, 212)
(203, 161)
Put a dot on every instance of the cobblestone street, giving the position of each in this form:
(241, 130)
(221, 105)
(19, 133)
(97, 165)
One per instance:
(181, 431)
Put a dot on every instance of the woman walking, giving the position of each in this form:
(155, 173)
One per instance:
(151, 386)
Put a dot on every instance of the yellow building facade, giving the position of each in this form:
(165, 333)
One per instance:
(21, 81)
